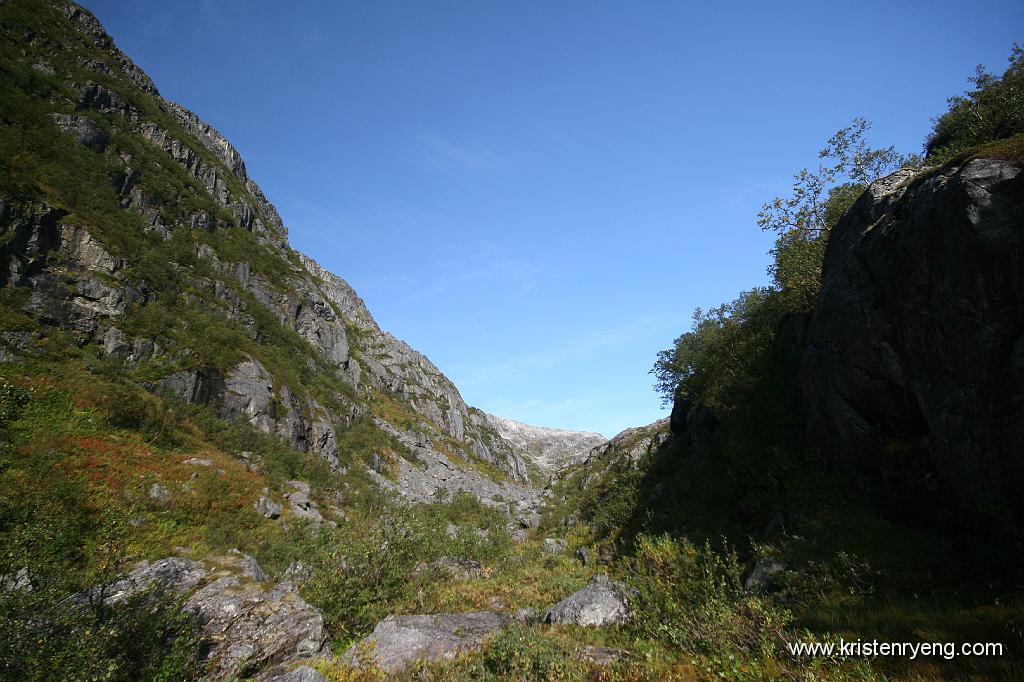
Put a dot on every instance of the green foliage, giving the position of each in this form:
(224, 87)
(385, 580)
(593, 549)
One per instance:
(854, 163)
(722, 357)
(149, 637)
(692, 599)
(12, 399)
(716, 362)
(992, 110)
(358, 570)
(818, 200)
(128, 407)
(522, 653)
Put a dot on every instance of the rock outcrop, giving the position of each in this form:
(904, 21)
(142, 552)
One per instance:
(550, 449)
(398, 641)
(914, 361)
(247, 623)
(601, 602)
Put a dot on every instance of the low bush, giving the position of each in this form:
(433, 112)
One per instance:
(692, 599)
(149, 637)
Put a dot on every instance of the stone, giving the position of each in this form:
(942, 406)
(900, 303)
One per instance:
(198, 462)
(20, 581)
(529, 520)
(583, 555)
(399, 641)
(378, 463)
(83, 129)
(267, 507)
(246, 625)
(526, 616)
(297, 573)
(301, 674)
(244, 565)
(248, 395)
(301, 506)
(601, 602)
(603, 655)
(159, 493)
(763, 576)
(553, 545)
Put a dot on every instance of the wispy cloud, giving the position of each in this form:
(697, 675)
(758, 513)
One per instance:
(488, 263)
(582, 347)
(447, 152)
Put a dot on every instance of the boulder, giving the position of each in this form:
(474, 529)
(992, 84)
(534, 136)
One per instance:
(246, 624)
(763, 576)
(268, 507)
(301, 506)
(301, 674)
(398, 641)
(553, 545)
(19, 581)
(159, 494)
(913, 366)
(601, 602)
(603, 655)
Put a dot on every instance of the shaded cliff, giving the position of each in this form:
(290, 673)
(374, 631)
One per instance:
(913, 369)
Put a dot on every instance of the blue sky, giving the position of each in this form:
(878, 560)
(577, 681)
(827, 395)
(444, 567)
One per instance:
(537, 195)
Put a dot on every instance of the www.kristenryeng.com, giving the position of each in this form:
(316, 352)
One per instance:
(911, 650)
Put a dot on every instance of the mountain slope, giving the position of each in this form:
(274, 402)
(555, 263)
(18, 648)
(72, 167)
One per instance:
(134, 227)
(550, 449)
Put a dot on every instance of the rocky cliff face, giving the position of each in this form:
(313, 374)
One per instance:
(914, 360)
(550, 449)
(134, 227)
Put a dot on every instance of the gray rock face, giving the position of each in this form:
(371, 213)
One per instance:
(248, 395)
(301, 674)
(84, 130)
(436, 473)
(914, 360)
(550, 449)
(398, 641)
(601, 602)
(246, 624)
(632, 445)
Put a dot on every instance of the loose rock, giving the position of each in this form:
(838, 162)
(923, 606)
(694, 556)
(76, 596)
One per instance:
(398, 641)
(601, 602)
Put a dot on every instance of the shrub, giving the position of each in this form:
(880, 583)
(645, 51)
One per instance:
(359, 569)
(715, 362)
(149, 637)
(993, 110)
(691, 598)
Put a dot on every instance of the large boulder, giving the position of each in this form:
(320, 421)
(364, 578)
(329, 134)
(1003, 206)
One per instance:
(914, 360)
(247, 622)
(398, 641)
(601, 602)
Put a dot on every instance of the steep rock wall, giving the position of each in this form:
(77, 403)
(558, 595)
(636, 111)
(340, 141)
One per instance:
(914, 362)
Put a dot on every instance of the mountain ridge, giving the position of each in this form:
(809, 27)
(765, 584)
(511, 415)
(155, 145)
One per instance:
(362, 369)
